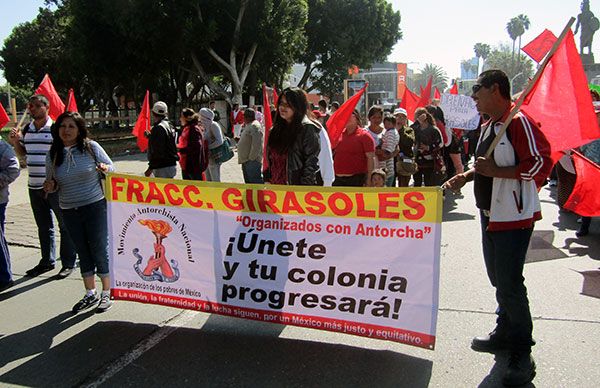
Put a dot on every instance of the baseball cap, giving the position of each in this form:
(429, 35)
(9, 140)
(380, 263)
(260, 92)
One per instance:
(160, 108)
(399, 111)
(317, 113)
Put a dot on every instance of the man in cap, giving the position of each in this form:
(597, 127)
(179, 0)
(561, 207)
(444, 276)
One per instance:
(405, 159)
(162, 150)
(214, 136)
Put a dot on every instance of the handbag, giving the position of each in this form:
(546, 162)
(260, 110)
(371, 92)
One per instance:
(222, 153)
(406, 167)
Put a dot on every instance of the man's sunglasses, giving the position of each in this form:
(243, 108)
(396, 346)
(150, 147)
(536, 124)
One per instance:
(476, 88)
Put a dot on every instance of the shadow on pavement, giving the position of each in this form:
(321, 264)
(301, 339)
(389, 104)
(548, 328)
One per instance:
(37, 339)
(450, 205)
(494, 377)
(16, 290)
(591, 283)
(239, 353)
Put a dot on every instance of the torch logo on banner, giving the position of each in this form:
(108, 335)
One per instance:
(158, 266)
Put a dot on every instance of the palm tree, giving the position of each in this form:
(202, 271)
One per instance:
(482, 50)
(524, 26)
(511, 28)
(437, 74)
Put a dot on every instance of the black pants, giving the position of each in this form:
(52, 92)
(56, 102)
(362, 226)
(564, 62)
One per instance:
(504, 253)
(357, 180)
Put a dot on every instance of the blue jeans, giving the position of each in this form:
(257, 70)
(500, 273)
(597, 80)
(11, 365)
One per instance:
(213, 172)
(504, 253)
(43, 206)
(5, 272)
(251, 170)
(88, 226)
(165, 172)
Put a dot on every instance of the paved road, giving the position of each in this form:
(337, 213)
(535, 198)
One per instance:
(43, 344)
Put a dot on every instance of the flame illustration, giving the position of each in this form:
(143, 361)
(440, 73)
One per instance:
(157, 226)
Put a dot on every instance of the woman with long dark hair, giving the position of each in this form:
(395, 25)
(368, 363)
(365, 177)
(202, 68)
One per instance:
(293, 146)
(193, 155)
(73, 167)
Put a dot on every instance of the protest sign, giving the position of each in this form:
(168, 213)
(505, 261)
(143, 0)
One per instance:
(360, 261)
(459, 111)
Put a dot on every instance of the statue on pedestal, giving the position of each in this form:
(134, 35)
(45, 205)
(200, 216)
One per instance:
(589, 25)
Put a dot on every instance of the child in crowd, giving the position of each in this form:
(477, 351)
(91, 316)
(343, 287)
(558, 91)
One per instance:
(378, 178)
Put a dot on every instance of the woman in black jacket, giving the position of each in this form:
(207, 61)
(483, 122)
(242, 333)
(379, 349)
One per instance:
(293, 145)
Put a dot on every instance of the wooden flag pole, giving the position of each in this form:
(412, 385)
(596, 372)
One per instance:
(530, 85)
(22, 119)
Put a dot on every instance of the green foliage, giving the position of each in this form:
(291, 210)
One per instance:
(176, 47)
(437, 74)
(501, 58)
(342, 33)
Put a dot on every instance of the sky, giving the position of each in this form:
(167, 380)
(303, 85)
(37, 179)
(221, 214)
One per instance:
(441, 32)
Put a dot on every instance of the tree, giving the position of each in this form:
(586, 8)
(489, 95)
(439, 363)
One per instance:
(437, 74)
(512, 29)
(482, 50)
(365, 34)
(232, 31)
(517, 71)
(524, 23)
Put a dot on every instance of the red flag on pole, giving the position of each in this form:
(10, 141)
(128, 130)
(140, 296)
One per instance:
(436, 93)
(268, 124)
(143, 124)
(71, 103)
(560, 101)
(275, 97)
(585, 198)
(4, 119)
(425, 94)
(454, 89)
(338, 120)
(539, 47)
(46, 89)
(409, 102)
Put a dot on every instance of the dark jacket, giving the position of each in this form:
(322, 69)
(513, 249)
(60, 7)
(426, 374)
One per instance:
(302, 157)
(162, 151)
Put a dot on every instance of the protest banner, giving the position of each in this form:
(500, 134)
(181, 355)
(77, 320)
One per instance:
(360, 261)
(459, 111)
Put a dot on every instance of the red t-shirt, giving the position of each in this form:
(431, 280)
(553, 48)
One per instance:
(350, 154)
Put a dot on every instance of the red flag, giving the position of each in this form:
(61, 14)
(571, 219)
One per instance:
(410, 103)
(275, 97)
(268, 124)
(560, 101)
(421, 90)
(539, 47)
(46, 89)
(4, 119)
(436, 93)
(143, 124)
(425, 95)
(585, 198)
(454, 89)
(71, 103)
(339, 118)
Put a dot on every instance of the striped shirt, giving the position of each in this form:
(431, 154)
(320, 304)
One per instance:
(37, 144)
(77, 178)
